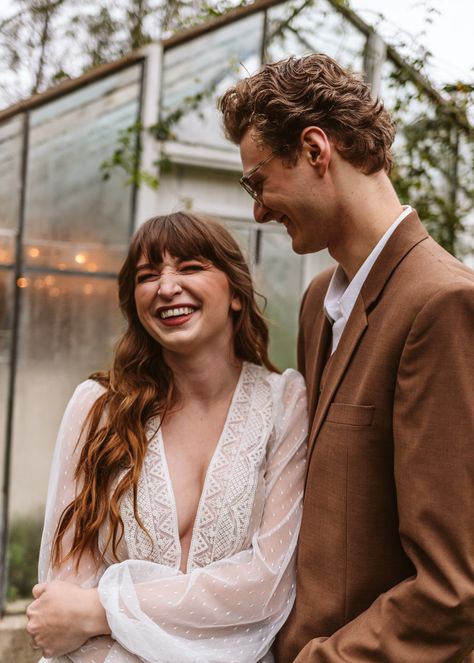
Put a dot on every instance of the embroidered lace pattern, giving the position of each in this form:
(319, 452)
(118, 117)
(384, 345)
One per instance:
(158, 541)
(222, 521)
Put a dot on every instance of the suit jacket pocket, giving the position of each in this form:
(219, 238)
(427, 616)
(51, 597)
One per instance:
(350, 415)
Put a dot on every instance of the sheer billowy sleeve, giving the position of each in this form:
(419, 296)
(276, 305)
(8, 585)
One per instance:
(61, 492)
(231, 609)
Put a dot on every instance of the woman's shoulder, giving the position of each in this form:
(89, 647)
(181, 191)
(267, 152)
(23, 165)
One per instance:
(85, 394)
(89, 386)
(284, 386)
(288, 377)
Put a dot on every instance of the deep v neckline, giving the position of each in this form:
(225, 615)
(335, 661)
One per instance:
(207, 476)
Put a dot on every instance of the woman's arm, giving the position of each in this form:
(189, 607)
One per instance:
(65, 598)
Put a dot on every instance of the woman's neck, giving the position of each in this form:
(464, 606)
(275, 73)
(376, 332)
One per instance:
(204, 378)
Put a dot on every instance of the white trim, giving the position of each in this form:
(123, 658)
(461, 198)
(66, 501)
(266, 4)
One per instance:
(200, 155)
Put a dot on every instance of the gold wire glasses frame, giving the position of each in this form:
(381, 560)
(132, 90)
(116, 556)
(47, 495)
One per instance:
(245, 180)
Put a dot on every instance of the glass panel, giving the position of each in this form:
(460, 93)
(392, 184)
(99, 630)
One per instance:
(11, 143)
(245, 236)
(71, 256)
(6, 301)
(67, 199)
(11, 146)
(300, 28)
(278, 277)
(68, 326)
(197, 72)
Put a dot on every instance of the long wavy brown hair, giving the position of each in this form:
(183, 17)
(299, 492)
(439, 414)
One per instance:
(140, 385)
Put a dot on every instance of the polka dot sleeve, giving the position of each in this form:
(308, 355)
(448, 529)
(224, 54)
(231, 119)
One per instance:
(61, 491)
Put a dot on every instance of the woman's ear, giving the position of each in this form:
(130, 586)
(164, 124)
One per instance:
(235, 304)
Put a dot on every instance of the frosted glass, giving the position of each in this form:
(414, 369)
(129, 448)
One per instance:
(209, 63)
(278, 275)
(67, 199)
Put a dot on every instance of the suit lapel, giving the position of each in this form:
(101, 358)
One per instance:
(320, 340)
(355, 328)
(409, 233)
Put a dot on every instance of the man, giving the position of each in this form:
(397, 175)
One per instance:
(386, 553)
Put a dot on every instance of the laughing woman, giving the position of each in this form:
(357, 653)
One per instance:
(176, 486)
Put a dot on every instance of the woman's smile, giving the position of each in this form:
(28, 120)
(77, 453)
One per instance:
(177, 314)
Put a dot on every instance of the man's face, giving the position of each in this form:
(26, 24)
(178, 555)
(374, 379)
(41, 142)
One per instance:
(289, 194)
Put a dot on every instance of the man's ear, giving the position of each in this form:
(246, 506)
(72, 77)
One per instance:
(316, 148)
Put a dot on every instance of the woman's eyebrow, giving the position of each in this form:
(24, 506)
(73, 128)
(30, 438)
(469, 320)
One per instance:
(145, 265)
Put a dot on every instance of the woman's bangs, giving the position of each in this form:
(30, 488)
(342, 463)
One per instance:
(181, 237)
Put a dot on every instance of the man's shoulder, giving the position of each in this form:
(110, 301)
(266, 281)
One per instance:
(431, 268)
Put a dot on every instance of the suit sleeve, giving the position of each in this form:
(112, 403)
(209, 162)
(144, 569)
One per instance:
(429, 617)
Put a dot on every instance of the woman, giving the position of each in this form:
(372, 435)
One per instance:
(171, 524)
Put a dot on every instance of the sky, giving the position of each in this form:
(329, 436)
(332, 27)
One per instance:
(449, 37)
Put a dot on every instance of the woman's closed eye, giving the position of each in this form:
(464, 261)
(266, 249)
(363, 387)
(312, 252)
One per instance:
(147, 276)
(192, 266)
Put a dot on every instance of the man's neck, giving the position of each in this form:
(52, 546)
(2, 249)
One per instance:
(369, 208)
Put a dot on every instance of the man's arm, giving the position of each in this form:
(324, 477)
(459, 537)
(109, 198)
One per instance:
(428, 618)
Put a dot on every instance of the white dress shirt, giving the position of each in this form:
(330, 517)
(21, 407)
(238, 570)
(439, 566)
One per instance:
(342, 293)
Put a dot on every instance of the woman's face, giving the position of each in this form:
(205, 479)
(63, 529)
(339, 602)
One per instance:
(185, 305)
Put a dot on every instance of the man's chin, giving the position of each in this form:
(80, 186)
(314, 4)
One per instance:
(299, 247)
(302, 248)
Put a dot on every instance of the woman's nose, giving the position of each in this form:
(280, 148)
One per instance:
(169, 285)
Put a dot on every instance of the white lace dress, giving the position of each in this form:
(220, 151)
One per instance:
(239, 586)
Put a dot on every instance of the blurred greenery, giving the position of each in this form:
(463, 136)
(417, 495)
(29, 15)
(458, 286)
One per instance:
(22, 556)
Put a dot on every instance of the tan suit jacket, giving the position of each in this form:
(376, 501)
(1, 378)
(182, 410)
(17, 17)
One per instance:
(386, 553)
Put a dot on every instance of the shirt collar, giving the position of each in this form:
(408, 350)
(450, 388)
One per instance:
(341, 295)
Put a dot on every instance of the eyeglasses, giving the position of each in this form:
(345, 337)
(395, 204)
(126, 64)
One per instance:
(246, 183)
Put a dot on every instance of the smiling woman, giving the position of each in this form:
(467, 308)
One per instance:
(189, 296)
(176, 486)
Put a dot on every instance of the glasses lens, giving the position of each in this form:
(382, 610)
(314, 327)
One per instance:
(245, 184)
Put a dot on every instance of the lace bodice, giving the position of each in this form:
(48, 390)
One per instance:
(239, 585)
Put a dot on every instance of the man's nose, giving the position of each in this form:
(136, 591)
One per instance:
(261, 214)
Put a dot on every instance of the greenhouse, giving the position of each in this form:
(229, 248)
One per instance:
(84, 163)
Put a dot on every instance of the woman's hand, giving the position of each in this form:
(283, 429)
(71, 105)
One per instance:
(63, 616)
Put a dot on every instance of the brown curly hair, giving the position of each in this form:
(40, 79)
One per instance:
(140, 385)
(284, 97)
